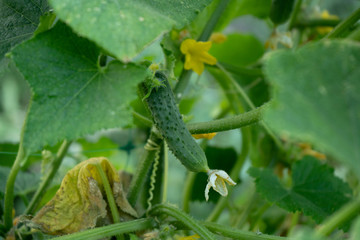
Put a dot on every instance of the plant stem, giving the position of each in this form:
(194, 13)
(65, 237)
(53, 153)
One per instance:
(49, 177)
(211, 24)
(183, 218)
(239, 234)
(294, 14)
(165, 173)
(228, 123)
(234, 174)
(9, 189)
(110, 230)
(243, 94)
(317, 22)
(146, 121)
(251, 72)
(188, 187)
(109, 194)
(140, 175)
(347, 212)
(344, 25)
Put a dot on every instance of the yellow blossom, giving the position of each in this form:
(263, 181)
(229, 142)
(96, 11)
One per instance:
(326, 15)
(216, 180)
(218, 37)
(196, 54)
(204, 135)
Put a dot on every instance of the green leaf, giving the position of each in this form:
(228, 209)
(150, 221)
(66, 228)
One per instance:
(124, 28)
(18, 20)
(315, 190)
(316, 97)
(72, 95)
(238, 50)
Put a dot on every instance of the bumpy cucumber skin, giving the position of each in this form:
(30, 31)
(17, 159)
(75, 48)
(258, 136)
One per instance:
(168, 120)
(280, 10)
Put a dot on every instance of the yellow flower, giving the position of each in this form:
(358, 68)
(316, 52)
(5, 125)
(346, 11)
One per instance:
(196, 54)
(325, 15)
(216, 180)
(217, 37)
(204, 135)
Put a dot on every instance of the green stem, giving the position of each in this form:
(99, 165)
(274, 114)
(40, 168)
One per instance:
(239, 234)
(183, 218)
(188, 187)
(228, 123)
(344, 25)
(316, 22)
(49, 177)
(110, 230)
(251, 72)
(221, 204)
(146, 121)
(211, 24)
(243, 94)
(355, 35)
(9, 189)
(347, 212)
(165, 173)
(109, 194)
(294, 14)
(140, 175)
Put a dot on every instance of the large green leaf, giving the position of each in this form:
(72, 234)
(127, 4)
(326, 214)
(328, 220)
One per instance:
(72, 95)
(18, 21)
(316, 97)
(125, 27)
(315, 190)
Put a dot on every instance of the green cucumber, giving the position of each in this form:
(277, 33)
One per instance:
(168, 120)
(280, 11)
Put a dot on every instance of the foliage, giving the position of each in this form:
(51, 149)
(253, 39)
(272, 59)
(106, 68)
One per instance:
(274, 96)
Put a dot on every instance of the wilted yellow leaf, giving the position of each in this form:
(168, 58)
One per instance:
(79, 203)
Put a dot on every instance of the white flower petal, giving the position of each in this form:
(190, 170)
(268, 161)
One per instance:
(216, 180)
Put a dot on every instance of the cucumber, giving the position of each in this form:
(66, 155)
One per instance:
(280, 11)
(168, 120)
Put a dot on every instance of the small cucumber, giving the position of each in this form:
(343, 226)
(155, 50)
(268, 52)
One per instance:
(168, 120)
(280, 10)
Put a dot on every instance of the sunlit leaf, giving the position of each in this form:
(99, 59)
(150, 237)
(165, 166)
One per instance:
(124, 27)
(72, 94)
(316, 97)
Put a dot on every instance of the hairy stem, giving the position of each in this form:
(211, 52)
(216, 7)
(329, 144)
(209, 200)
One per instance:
(183, 218)
(139, 178)
(211, 24)
(347, 212)
(294, 14)
(344, 25)
(9, 189)
(239, 234)
(110, 230)
(317, 22)
(165, 173)
(228, 123)
(55, 164)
